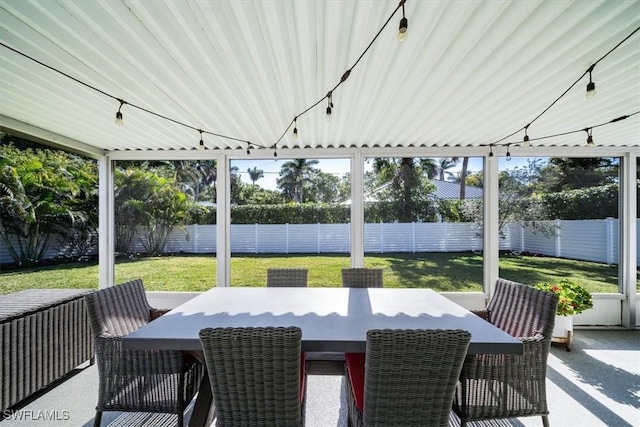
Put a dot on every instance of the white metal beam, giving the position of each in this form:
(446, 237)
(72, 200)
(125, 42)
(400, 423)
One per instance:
(357, 211)
(628, 237)
(106, 224)
(491, 255)
(223, 221)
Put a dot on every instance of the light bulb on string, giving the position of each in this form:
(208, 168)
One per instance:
(295, 127)
(118, 120)
(202, 147)
(591, 86)
(249, 150)
(590, 142)
(329, 106)
(526, 141)
(404, 24)
(508, 152)
(275, 152)
(490, 150)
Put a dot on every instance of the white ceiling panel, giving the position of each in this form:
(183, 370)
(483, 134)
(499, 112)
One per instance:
(469, 74)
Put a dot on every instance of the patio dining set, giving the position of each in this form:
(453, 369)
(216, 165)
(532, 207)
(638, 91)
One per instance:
(410, 356)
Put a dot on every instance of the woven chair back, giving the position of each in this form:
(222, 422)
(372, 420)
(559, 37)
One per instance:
(362, 277)
(522, 311)
(118, 310)
(287, 277)
(411, 375)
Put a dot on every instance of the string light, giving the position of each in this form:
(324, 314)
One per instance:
(404, 24)
(275, 152)
(526, 141)
(508, 152)
(590, 142)
(329, 106)
(490, 150)
(202, 147)
(295, 127)
(249, 150)
(119, 121)
(591, 86)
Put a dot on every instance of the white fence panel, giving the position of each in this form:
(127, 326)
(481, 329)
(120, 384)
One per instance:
(204, 238)
(589, 240)
(303, 238)
(537, 242)
(431, 236)
(373, 237)
(334, 238)
(270, 238)
(398, 237)
(585, 240)
(243, 238)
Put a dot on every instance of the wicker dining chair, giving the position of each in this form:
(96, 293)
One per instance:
(362, 277)
(257, 375)
(510, 385)
(406, 377)
(136, 380)
(287, 277)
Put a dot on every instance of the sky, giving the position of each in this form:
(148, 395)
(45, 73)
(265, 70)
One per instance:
(339, 167)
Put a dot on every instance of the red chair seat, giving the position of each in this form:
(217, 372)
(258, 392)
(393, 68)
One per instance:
(355, 368)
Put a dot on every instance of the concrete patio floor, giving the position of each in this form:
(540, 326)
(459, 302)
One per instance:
(597, 383)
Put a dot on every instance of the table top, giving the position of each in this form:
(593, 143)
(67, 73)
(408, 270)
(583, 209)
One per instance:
(331, 319)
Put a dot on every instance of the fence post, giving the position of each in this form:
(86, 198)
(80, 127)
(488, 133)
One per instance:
(255, 238)
(446, 234)
(381, 237)
(413, 237)
(521, 237)
(195, 238)
(286, 236)
(318, 229)
(558, 239)
(609, 245)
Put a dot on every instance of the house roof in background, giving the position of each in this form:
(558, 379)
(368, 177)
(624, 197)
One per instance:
(469, 73)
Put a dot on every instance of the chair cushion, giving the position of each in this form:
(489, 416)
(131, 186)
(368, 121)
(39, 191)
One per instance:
(355, 368)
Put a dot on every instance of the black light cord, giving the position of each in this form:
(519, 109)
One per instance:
(345, 76)
(122, 101)
(589, 70)
(617, 119)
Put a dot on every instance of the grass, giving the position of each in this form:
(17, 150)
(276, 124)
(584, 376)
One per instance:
(448, 272)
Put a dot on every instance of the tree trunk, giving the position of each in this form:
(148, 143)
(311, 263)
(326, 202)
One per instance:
(463, 177)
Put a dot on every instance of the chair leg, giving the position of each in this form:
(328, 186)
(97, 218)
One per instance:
(545, 420)
(98, 419)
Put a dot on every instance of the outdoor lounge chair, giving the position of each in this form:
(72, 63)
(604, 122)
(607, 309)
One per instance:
(406, 378)
(362, 277)
(287, 277)
(508, 385)
(257, 375)
(136, 380)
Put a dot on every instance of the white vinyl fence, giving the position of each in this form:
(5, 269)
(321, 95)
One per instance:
(589, 240)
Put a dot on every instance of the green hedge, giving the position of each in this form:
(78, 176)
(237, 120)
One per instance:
(586, 203)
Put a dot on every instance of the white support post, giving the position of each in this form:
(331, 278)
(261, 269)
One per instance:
(357, 211)
(491, 224)
(223, 222)
(628, 238)
(106, 224)
(558, 238)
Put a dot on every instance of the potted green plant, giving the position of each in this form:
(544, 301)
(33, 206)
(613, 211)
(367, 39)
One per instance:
(573, 299)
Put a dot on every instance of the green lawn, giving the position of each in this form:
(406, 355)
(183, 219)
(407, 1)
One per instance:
(440, 271)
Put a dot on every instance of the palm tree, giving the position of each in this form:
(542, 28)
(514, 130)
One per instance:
(444, 164)
(255, 174)
(463, 177)
(293, 175)
(403, 174)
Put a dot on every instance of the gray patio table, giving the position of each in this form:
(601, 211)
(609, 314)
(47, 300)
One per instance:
(331, 319)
